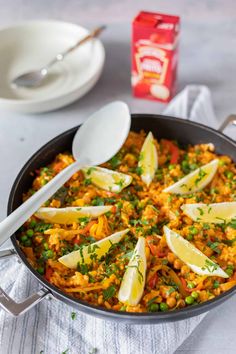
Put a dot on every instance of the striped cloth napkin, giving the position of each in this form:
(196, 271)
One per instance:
(55, 328)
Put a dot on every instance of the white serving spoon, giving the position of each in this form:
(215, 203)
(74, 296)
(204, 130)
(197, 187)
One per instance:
(95, 142)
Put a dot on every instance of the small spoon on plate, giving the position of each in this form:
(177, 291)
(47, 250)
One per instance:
(95, 142)
(34, 78)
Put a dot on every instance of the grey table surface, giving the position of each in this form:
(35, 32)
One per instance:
(207, 56)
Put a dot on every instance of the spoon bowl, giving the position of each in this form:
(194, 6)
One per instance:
(102, 135)
(30, 79)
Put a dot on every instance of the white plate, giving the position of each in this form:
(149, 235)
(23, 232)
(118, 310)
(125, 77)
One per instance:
(33, 44)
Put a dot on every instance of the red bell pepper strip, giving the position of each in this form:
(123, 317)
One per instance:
(152, 281)
(152, 243)
(77, 241)
(48, 273)
(184, 283)
(173, 149)
(155, 248)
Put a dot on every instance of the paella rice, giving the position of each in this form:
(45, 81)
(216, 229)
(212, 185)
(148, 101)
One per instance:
(170, 284)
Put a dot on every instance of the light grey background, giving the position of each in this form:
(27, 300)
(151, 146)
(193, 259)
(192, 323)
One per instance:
(207, 56)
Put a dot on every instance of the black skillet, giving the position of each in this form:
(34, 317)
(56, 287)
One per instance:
(183, 131)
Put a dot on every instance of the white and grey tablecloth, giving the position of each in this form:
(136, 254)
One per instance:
(49, 328)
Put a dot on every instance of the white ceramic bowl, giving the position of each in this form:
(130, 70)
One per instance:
(33, 44)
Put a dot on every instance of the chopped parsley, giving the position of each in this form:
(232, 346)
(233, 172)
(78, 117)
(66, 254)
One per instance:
(201, 175)
(120, 183)
(73, 315)
(214, 246)
(210, 266)
(93, 351)
(206, 226)
(87, 181)
(151, 301)
(92, 248)
(109, 292)
(139, 170)
(115, 161)
(41, 227)
(65, 351)
(84, 220)
(97, 201)
(140, 275)
(47, 171)
(90, 170)
(229, 242)
(141, 156)
(170, 290)
(232, 224)
(127, 255)
(83, 268)
(200, 211)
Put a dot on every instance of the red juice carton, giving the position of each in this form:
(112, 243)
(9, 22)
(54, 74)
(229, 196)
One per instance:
(154, 56)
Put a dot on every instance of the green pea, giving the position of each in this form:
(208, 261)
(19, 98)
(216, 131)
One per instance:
(47, 254)
(32, 224)
(28, 243)
(123, 308)
(229, 271)
(189, 237)
(193, 166)
(189, 300)
(191, 285)
(24, 238)
(163, 306)
(45, 245)
(154, 307)
(30, 232)
(171, 167)
(40, 270)
(185, 164)
(214, 191)
(216, 284)
(193, 230)
(221, 163)
(43, 182)
(229, 174)
(159, 175)
(50, 253)
(230, 266)
(194, 294)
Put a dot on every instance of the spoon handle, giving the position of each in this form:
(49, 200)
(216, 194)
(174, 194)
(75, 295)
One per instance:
(61, 56)
(19, 216)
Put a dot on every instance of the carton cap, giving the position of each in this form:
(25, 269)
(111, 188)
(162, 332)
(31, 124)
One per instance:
(157, 20)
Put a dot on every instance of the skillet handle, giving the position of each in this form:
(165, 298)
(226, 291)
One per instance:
(231, 119)
(18, 308)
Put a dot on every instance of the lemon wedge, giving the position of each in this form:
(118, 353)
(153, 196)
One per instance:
(70, 214)
(194, 181)
(216, 213)
(148, 160)
(94, 251)
(132, 285)
(109, 180)
(192, 256)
